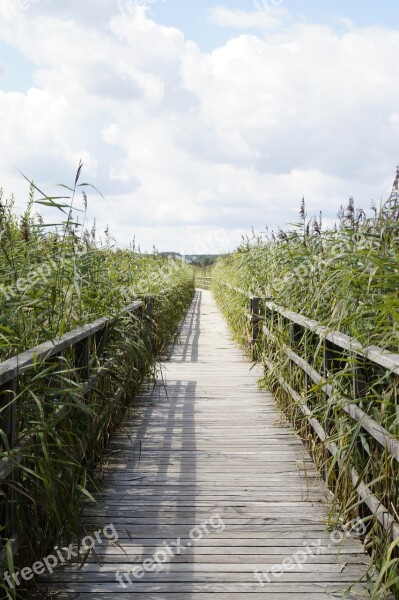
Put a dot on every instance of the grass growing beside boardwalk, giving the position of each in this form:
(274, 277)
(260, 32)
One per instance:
(346, 278)
(55, 278)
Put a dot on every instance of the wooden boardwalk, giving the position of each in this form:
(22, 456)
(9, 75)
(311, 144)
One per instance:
(206, 450)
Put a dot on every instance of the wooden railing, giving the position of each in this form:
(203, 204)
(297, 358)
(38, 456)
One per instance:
(203, 282)
(337, 349)
(82, 342)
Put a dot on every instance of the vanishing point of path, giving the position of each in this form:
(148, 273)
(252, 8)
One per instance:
(207, 449)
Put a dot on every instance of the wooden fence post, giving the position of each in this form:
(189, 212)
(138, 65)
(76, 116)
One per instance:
(149, 313)
(359, 378)
(295, 338)
(359, 392)
(329, 360)
(8, 423)
(255, 319)
(8, 410)
(329, 367)
(101, 338)
(82, 358)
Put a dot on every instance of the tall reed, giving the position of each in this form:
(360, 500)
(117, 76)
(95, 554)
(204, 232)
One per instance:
(54, 278)
(347, 279)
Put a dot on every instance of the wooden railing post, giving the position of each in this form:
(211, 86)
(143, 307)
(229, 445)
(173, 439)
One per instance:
(359, 392)
(255, 320)
(82, 358)
(8, 410)
(149, 313)
(328, 361)
(101, 338)
(359, 378)
(8, 423)
(295, 338)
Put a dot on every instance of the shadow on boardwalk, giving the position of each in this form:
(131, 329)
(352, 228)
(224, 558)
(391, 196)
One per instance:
(206, 447)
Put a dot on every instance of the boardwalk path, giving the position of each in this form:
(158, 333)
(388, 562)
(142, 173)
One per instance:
(208, 445)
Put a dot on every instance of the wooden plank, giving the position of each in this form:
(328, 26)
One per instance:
(275, 594)
(298, 588)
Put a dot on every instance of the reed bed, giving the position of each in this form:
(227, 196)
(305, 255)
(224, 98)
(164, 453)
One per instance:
(347, 279)
(54, 278)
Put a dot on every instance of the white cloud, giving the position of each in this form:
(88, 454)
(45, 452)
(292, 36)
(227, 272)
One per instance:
(185, 143)
(266, 18)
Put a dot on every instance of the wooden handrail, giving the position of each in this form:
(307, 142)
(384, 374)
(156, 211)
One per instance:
(382, 358)
(379, 356)
(78, 340)
(375, 354)
(203, 281)
(379, 433)
(13, 367)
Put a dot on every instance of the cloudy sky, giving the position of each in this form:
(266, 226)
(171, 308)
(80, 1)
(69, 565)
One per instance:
(199, 119)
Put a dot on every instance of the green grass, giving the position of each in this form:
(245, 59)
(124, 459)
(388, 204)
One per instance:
(55, 278)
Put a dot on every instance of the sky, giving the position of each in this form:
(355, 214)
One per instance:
(200, 120)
